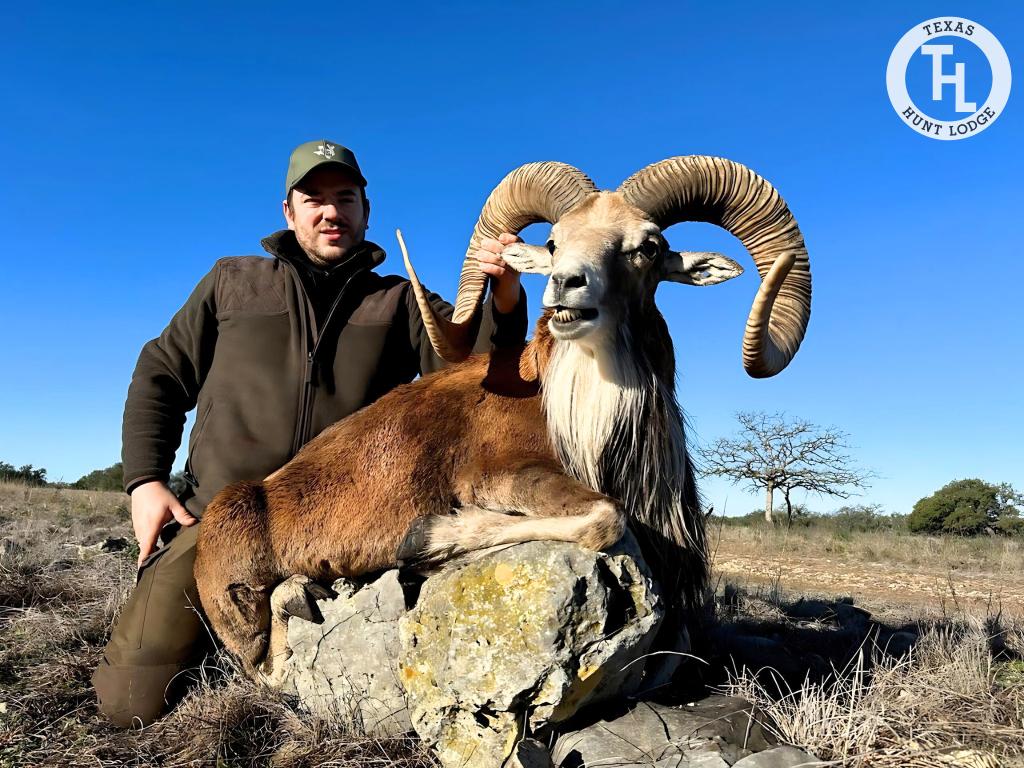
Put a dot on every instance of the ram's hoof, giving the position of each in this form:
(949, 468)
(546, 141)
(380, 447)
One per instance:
(273, 672)
(320, 592)
(414, 546)
(297, 596)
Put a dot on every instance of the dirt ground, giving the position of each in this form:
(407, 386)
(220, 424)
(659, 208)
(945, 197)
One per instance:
(880, 587)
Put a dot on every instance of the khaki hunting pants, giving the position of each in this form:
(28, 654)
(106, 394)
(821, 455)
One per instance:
(158, 637)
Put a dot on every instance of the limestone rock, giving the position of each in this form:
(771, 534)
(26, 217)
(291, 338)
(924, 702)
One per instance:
(711, 733)
(852, 616)
(527, 635)
(348, 665)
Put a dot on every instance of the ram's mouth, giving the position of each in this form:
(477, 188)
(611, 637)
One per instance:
(566, 316)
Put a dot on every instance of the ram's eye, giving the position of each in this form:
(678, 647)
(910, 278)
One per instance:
(650, 248)
(551, 247)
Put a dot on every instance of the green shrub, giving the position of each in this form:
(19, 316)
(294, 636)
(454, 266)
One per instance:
(929, 514)
(751, 519)
(965, 520)
(967, 507)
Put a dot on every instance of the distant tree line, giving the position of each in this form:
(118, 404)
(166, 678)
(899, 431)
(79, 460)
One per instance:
(962, 508)
(108, 479)
(856, 518)
(26, 474)
(112, 479)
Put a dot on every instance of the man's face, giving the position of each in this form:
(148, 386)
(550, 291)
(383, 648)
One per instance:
(327, 214)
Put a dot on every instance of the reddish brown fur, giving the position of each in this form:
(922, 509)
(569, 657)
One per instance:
(471, 435)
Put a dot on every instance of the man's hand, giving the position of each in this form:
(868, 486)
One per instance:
(505, 286)
(153, 506)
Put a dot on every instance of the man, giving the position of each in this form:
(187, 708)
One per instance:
(269, 351)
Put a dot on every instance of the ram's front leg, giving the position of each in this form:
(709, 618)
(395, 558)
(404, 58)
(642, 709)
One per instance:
(295, 596)
(524, 501)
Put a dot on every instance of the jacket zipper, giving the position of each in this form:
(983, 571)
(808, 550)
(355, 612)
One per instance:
(304, 423)
(305, 405)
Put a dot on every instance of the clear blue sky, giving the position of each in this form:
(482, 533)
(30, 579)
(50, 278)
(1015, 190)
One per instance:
(141, 142)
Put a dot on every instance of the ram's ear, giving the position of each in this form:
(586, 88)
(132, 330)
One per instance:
(527, 258)
(700, 268)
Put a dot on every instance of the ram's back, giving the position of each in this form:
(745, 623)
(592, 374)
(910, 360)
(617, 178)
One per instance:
(415, 451)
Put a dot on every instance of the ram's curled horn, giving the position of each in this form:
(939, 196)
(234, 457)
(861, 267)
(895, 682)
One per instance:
(719, 191)
(531, 193)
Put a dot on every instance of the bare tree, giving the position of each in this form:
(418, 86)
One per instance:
(776, 454)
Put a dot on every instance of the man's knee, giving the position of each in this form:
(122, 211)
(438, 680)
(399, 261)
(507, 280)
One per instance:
(158, 635)
(134, 696)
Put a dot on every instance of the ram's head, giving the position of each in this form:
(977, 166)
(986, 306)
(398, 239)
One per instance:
(606, 253)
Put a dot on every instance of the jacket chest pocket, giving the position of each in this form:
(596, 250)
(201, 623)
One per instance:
(195, 440)
(254, 351)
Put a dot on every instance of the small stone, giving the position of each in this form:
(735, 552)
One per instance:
(770, 659)
(779, 757)
(106, 546)
(851, 616)
(10, 547)
(713, 731)
(697, 761)
(811, 609)
(113, 544)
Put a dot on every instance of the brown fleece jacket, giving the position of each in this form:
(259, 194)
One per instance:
(247, 351)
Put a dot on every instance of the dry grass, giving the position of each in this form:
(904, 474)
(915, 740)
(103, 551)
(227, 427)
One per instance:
(941, 704)
(962, 685)
(861, 693)
(992, 555)
(56, 611)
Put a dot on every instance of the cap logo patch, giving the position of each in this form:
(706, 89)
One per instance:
(325, 150)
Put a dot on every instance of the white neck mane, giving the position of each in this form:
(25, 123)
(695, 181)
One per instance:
(585, 396)
(593, 398)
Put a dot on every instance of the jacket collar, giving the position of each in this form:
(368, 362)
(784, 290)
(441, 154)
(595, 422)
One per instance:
(283, 245)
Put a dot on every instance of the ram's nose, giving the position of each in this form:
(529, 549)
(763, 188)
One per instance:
(560, 287)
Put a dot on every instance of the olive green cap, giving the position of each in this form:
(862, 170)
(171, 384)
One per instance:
(313, 154)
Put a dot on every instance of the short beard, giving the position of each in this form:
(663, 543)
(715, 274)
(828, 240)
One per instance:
(321, 258)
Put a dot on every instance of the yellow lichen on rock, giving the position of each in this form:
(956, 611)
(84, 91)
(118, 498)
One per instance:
(503, 573)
